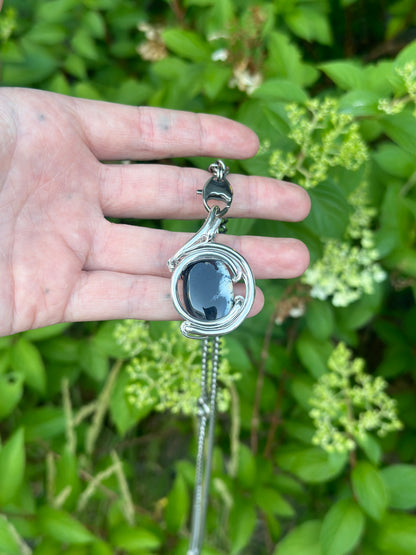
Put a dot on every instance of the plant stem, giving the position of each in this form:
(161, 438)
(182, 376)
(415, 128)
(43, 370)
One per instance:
(255, 419)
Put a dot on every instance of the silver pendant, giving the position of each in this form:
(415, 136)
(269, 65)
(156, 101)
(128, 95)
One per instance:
(205, 272)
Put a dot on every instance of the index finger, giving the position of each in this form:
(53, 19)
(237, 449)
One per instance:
(118, 132)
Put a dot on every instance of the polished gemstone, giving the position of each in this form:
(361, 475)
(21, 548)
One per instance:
(207, 290)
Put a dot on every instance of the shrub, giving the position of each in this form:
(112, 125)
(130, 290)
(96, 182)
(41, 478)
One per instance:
(316, 451)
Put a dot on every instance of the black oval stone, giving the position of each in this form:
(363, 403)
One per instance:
(207, 290)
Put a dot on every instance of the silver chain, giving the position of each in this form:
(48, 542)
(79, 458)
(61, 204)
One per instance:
(206, 414)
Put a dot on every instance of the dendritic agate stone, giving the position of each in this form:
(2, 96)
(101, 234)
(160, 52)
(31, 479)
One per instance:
(207, 290)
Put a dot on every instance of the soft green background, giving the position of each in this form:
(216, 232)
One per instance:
(83, 470)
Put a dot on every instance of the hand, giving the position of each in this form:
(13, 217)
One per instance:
(61, 260)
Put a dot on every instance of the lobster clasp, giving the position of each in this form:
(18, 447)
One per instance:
(217, 189)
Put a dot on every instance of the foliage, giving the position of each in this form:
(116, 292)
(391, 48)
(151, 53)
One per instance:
(87, 463)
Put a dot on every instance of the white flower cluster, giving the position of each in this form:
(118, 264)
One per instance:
(153, 48)
(347, 403)
(348, 268)
(244, 78)
(325, 138)
(165, 375)
(396, 105)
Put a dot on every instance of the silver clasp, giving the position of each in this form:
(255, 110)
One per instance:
(217, 189)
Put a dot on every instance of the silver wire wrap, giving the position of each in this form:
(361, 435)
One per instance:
(202, 247)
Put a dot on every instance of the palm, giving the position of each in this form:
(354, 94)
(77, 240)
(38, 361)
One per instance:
(61, 259)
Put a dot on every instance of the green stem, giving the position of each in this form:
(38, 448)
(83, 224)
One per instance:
(103, 402)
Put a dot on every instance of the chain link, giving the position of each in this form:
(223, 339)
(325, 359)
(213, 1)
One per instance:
(206, 414)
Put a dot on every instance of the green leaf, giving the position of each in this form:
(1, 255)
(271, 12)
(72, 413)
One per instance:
(37, 64)
(199, 2)
(402, 130)
(301, 388)
(395, 161)
(359, 103)
(61, 349)
(176, 511)
(310, 24)
(76, 66)
(84, 45)
(346, 75)
(93, 361)
(237, 354)
(5, 342)
(246, 471)
(27, 361)
(55, 10)
(342, 528)
(302, 431)
(215, 78)
(302, 540)
(100, 548)
(43, 423)
(379, 78)
(187, 44)
(132, 92)
(406, 55)
(311, 464)
(86, 90)
(124, 414)
(4, 362)
(94, 23)
(273, 503)
(61, 526)
(369, 489)
(135, 538)
(242, 522)
(67, 474)
(47, 332)
(329, 217)
(280, 89)
(402, 260)
(8, 542)
(47, 33)
(320, 319)
(12, 467)
(313, 353)
(371, 448)
(285, 61)
(397, 534)
(400, 480)
(11, 391)
(359, 313)
(106, 342)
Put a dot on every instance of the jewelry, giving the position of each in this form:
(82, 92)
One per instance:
(202, 289)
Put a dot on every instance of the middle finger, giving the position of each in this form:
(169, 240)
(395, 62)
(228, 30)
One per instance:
(160, 191)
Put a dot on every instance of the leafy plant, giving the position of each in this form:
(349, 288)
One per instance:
(96, 420)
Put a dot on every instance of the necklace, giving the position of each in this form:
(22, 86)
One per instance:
(202, 289)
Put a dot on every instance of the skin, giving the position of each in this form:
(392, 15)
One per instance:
(62, 260)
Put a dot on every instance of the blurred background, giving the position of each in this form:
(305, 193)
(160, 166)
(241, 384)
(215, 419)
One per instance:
(315, 444)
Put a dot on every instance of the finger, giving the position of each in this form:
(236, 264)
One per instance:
(136, 250)
(117, 132)
(158, 191)
(111, 295)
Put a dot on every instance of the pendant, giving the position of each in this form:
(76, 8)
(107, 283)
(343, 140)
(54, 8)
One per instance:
(205, 272)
